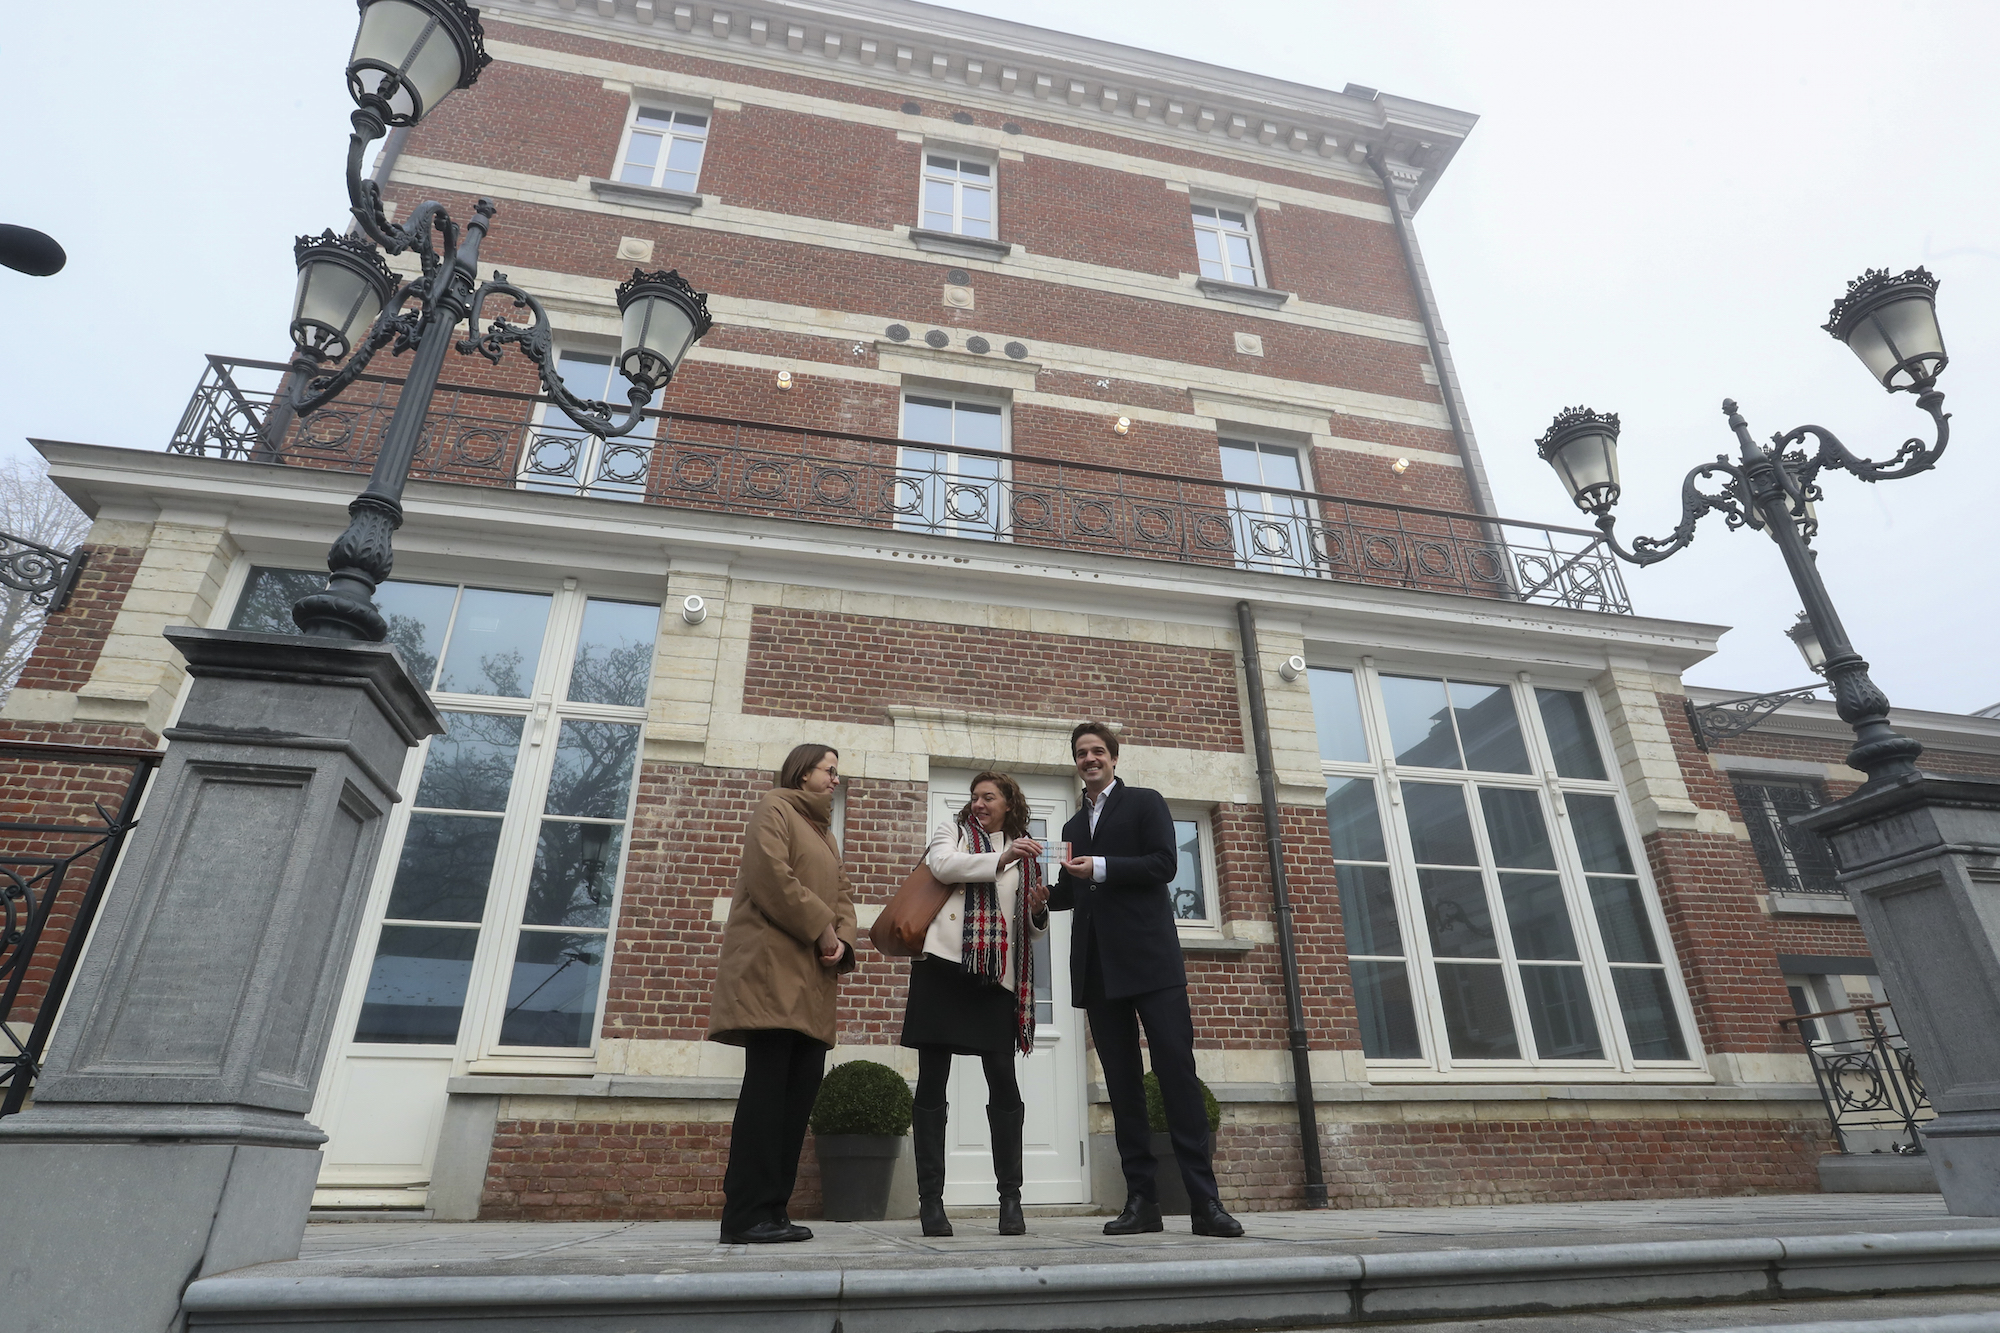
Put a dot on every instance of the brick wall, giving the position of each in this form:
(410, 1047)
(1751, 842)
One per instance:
(844, 668)
(73, 637)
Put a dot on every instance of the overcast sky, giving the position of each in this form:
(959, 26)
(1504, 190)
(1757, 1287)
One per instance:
(1656, 209)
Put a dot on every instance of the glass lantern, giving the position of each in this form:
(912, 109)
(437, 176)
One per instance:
(1891, 324)
(343, 286)
(663, 317)
(410, 54)
(1582, 446)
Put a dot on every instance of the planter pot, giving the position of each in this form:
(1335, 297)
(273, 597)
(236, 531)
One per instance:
(1167, 1182)
(855, 1171)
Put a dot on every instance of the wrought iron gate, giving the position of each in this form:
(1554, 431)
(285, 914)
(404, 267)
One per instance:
(37, 858)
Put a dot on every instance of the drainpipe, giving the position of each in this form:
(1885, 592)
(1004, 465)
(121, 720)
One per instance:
(1475, 471)
(1281, 898)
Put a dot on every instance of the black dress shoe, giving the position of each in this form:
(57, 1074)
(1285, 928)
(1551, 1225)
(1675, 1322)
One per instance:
(1209, 1220)
(775, 1232)
(1140, 1216)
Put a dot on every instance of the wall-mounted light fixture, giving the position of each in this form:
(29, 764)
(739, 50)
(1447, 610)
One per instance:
(1400, 466)
(1123, 425)
(1291, 668)
(694, 610)
(784, 380)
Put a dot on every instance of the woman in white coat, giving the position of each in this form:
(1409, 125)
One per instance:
(972, 992)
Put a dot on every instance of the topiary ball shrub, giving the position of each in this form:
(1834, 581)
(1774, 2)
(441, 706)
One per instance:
(862, 1097)
(1156, 1106)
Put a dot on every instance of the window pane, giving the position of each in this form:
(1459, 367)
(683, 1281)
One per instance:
(1337, 716)
(1648, 1007)
(633, 173)
(1351, 820)
(1239, 253)
(1419, 722)
(575, 874)
(1559, 1013)
(594, 762)
(1229, 219)
(976, 203)
(471, 766)
(1439, 831)
(1189, 893)
(1621, 920)
(689, 120)
(977, 426)
(1239, 463)
(974, 170)
(644, 151)
(945, 164)
(927, 419)
(1208, 246)
(552, 998)
(1368, 910)
(1477, 1021)
(266, 604)
(1538, 917)
(444, 869)
(1489, 728)
(418, 615)
(1461, 925)
(684, 155)
(1388, 1018)
(496, 640)
(1567, 719)
(1599, 839)
(938, 200)
(416, 990)
(614, 654)
(649, 116)
(1281, 467)
(1203, 211)
(1515, 827)
(679, 180)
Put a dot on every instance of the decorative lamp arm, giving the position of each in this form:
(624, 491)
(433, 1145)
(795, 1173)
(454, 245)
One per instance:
(311, 392)
(1695, 502)
(1915, 456)
(536, 344)
(364, 199)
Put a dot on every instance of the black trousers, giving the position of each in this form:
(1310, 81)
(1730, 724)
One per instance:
(781, 1074)
(1114, 1027)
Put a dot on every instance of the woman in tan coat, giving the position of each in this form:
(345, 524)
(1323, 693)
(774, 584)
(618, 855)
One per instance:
(790, 932)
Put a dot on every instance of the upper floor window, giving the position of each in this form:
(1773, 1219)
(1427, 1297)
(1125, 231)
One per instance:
(1225, 245)
(940, 489)
(958, 195)
(559, 456)
(664, 148)
(1794, 860)
(1493, 906)
(1271, 532)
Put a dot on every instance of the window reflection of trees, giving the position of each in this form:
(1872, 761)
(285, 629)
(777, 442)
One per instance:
(471, 766)
(611, 675)
(593, 770)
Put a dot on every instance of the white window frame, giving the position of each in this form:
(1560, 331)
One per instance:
(668, 135)
(1214, 225)
(1437, 1064)
(593, 452)
(958, 186)
(1254, 526)
(997, 527)
(1209, 926)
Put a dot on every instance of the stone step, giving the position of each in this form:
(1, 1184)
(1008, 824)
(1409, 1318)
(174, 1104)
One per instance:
(1185, 1293)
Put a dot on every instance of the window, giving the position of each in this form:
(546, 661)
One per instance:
(1794, 860)
(1492, 916)
(664, 149)
(958, 195)
(1225, 245)
(506, 854)
(1192, 890)
(562, 457)
(945, 491)
(1271, 532)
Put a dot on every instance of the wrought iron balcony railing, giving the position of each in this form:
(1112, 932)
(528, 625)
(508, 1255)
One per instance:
(1866, 1077)
(492, 437)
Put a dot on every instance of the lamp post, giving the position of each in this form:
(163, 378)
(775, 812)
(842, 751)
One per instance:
(409, 55)
(1918, 853)
(1890, 323)
(177, 1088)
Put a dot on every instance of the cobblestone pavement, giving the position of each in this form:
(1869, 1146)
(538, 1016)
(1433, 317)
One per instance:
(389, 1249)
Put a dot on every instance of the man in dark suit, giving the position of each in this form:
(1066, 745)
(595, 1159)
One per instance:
(1125, 969)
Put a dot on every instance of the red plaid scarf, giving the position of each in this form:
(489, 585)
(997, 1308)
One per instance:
(984, 950)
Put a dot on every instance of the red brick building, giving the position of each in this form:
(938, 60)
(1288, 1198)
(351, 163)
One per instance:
(1034, 357)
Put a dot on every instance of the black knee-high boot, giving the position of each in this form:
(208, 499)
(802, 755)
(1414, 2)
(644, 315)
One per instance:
(1005, 1123)
(927, 1124)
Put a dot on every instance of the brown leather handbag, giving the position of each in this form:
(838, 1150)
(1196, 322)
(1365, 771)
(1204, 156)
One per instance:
(899, 932)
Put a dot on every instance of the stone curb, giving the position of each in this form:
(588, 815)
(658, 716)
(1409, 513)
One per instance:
(1934, 1323)
(1090, 1298)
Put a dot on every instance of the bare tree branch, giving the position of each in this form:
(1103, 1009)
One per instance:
(30, 507)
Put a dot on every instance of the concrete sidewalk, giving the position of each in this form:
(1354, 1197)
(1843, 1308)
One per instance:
(1376, 1266)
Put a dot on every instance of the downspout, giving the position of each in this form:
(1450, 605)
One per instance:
(1281, 899)
(278, 421)
(1468, 450)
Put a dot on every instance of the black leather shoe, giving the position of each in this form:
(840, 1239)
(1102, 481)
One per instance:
(1209, 1220)
(1140, 1216)
(775, 1232)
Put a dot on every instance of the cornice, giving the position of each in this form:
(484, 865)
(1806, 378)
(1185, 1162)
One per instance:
(937, 52)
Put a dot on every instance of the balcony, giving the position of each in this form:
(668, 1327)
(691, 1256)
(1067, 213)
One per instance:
(492, 437)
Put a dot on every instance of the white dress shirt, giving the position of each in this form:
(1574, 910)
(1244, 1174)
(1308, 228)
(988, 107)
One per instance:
(1094, 808)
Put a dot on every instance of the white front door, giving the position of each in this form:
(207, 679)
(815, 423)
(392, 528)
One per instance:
(1052, 1087)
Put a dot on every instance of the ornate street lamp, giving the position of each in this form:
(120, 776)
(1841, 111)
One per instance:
(409, 55)
(1890, 323)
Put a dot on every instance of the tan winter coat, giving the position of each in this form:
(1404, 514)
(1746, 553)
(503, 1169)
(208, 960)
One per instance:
(790, 886)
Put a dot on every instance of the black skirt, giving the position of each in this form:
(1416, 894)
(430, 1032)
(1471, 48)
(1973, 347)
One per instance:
(950, 1008)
